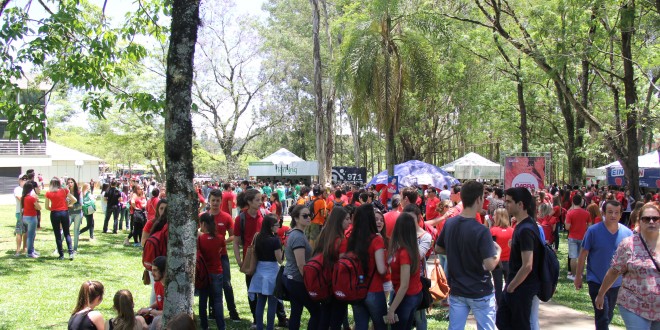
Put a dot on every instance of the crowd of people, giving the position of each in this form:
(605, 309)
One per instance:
(488, 240)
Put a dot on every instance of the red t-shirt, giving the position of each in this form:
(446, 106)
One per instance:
(377, 282)
(281, 233)
(252, 226)
(502, 238)
(159, 289)
(226, 197)
(28, 206)
(151, 208)
(223, 222)
(148, 226)
(58, 199)
(140, 203)
(546, 223)
(578, 219)
(390, 221)
(210, 248)
(276, 208)
(431, 208)
(401, 257)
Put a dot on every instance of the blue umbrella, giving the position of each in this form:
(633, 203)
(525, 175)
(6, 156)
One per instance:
(415, 172)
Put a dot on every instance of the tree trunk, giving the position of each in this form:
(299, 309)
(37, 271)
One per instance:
(318, 93)
(523, 116)
(330, 105)
(182, 207)
(355, 135)
(630, 164)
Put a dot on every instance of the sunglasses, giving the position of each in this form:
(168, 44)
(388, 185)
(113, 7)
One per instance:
(305, 216)
(648, 219)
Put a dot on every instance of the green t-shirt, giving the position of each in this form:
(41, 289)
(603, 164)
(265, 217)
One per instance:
(281, 193)
(267, 191)
(297, 190)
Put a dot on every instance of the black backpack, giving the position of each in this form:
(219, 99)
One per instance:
(549, 272)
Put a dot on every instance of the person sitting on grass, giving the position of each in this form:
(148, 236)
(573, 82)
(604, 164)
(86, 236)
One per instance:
(126, 318)
(155, 310)
(84, 316)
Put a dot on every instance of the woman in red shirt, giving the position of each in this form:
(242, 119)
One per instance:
(405, 269)
(332, 243)
(139, 217)
(209, 246)
(547, 222)
(275, 206)
(502, 233)
(56, 203)
(30, 206)
(370, 249)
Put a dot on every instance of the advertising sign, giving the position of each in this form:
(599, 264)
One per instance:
(527, 172)
(648, 177)
(392, 186)
(349, 174)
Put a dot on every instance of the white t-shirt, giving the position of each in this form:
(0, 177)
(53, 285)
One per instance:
(18, 193)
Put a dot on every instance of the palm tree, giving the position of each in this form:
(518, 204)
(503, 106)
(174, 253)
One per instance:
(381, 59)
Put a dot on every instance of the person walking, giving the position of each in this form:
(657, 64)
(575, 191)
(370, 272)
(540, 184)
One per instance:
(268, 252)
(502, 234)
(88, 198)
(577, 221)
(297, 252)
(56, 203)
(637, 261)
(598, 247)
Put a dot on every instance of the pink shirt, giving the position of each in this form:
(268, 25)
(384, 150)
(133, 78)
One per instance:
(640, 284)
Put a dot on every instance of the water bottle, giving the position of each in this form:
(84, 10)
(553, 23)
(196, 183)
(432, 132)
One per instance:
(361, 279)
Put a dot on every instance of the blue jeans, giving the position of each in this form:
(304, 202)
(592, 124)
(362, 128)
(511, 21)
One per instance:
(90, 225)
(215, 289)
(259, 311)
(406, 311)
(114, 211)
(75, 219)
(299, 299)
(124, 216)
(373, 307)
(482, 308)
(534, 314)
(636, 322)
(57, 219)
(604, 316)
(226, 284)
(333, 313)
(31, 223)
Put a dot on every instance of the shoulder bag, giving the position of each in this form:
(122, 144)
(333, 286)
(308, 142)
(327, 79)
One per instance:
(250, 261)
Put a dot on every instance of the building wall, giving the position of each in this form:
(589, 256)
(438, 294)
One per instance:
(68, 168)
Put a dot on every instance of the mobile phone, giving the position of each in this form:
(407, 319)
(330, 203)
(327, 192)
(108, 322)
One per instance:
(494, 238)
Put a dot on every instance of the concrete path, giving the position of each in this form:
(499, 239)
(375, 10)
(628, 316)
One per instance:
(553, 316)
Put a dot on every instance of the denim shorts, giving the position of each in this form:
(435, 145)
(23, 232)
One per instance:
(21, 228)
(574, 248)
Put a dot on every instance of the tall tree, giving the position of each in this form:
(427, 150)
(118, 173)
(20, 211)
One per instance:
(183, 201)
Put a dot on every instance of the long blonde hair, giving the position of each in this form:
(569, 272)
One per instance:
(123, 304)
(501, 218)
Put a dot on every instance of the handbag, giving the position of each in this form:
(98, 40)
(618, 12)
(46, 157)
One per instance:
(145, 277)
(250, 261)
(439, 287)
(280, 290)
(427, 299)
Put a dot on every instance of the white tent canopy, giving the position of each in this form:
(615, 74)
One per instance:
(283, 163)
(649, 160)
(473, 166)
(282, 156)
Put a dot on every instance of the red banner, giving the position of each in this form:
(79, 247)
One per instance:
(527, 172)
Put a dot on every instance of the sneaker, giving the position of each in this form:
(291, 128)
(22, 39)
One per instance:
(70, 256)
(56, 252)
(253, 326)
(126, 242)
(570, 277)
(33, 256)
(17, 254)
(36, 253)
(137, 244)
(60, 258)
(234, 316)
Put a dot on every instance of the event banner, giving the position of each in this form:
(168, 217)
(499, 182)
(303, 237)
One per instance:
(648, 177)
(349, 174)
(528, 172)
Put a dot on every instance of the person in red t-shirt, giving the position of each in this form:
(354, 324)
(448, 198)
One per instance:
(58, 200)
(405, 270)
(161, 208)
(275, 205)
(210, 245)
(228, 198)
(30, 205)
(547, 222)
(370, 249)
(155, 310)
(502, 233)
(432, 202)
(577, 221)
(391, 216)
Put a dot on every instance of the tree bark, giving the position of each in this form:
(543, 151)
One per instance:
(523, 114)
(182, 207)
(330, 105)
(318, 93)
(630, 165)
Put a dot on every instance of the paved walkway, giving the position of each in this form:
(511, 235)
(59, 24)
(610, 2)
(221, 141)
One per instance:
(553, 316)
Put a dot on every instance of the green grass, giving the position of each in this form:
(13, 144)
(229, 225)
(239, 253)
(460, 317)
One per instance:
(40, 293)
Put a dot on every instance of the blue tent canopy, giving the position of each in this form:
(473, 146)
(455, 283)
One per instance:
(415, 172)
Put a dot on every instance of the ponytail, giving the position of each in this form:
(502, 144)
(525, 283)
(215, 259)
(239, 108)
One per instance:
(89, 291)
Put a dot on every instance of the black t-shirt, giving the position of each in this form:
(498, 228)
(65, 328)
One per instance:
(525, 238)
(265, 248)
(467, 243)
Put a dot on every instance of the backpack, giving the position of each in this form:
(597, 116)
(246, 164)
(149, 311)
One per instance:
(340, 203)
(318, 279)
(155, 246)
(202, 277)
(310, 206)
(549, 272)
(348, 279)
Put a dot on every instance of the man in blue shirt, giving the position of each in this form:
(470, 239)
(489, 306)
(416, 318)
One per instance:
(598, 247)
